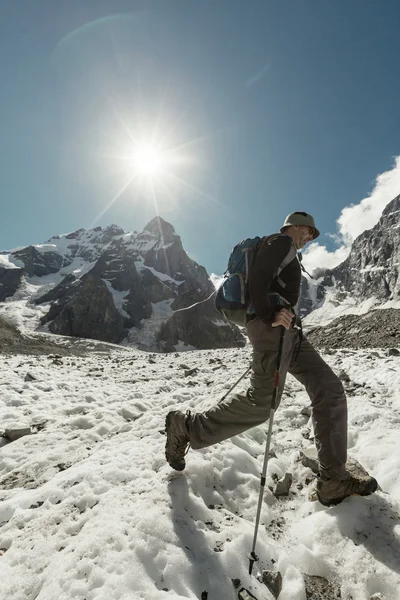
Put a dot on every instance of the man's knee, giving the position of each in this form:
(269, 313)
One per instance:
(261, 398)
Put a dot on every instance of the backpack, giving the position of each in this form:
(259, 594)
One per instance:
(232, 299)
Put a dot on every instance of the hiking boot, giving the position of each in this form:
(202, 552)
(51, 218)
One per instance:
(332, 491)
(177, 443)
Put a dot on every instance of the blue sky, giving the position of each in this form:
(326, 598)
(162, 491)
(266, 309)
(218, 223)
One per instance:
(266, 107)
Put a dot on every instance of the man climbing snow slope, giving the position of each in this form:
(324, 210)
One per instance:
(274, 288)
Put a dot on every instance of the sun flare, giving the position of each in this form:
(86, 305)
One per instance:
(148, 161)
(158, 164)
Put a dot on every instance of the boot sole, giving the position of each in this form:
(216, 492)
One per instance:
(176, 467)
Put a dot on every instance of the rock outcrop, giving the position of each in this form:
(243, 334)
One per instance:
(368, 279)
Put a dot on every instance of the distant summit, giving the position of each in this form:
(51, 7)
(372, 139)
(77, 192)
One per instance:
(140, 289)
(158, 226)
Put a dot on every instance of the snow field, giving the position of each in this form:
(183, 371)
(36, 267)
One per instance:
(89, 509)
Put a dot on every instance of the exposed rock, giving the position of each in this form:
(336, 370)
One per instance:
(375, 329)
(14, 433)
(10, 280)
(344, 377)
(190, 372)
(273, 581)
(393, 352)
(196, 328)
(159, 227)
(12, 341)
(29, 377)
(319, 588)
(283, 486)
(309, 458)
(39, 263)
(219, 546)
(91, 313)
(246, 595)
(371, 271)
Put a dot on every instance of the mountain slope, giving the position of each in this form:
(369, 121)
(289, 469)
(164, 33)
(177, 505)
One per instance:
(368, 278)
(115, 286)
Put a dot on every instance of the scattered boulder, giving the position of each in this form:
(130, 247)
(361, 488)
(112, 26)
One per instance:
(29, 377)
(309, 459)
(306, 411)
(319, 588)
(273, 581)
(190, 372)
(393, 352)
(246, 595)
(283, 486)
(377, 596)
(14, 433)
(343, 376)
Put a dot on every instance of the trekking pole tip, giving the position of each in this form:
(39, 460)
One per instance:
(252, 558)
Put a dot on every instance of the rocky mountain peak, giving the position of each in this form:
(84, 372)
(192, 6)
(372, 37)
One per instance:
(392, 207)
(368, 278)
(161, 228)
(109, 285)
(113, 230)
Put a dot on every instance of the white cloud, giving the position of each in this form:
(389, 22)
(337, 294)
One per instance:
(355, 219)
(216, 280)
(317, 257)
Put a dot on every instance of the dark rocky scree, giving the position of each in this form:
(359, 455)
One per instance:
(376, 329)
(13, 342)
(150, 267)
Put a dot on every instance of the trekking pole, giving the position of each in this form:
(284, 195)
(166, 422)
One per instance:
(253, 556)
(234, 385)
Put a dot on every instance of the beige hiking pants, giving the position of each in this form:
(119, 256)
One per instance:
(240, 412)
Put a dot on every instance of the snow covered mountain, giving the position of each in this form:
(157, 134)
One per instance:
(368, 280)
(117, 287)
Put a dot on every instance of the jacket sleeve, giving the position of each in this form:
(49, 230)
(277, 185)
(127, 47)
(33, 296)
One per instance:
(262, 273)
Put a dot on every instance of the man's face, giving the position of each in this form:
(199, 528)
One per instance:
(302, 234)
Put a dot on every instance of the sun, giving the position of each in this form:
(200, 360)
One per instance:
(155, 162)
(148, 161)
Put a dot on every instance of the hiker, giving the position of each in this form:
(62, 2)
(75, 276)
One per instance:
(274, 289)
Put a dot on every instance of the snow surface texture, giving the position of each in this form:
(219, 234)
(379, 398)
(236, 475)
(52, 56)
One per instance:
(90, 510)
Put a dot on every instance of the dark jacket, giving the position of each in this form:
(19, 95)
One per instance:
(263, 277)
